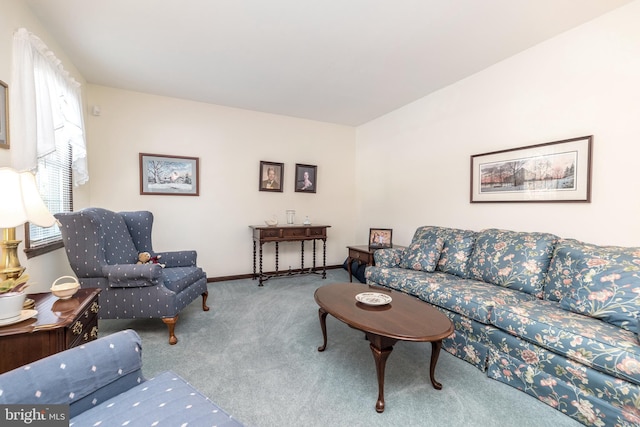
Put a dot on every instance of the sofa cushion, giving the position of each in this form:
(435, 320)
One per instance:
(423, 255)
(166, 399)
(586, 340)
(516, 260)
(598, 281)
(457, 248)
(471, 298)
(613, 296)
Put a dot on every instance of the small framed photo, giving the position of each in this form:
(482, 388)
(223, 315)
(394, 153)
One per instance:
(306, 178)
(4, 115)
(380, 238)
(271, 174)
(169, 175)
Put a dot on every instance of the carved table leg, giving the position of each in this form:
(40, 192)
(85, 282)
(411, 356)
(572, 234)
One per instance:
(381, 347)
(302, 256)
(323, 324)
(435, 353)
(314, 256)
(324, 258)
(254, 261)
(260, 277)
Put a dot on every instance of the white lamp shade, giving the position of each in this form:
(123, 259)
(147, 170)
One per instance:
(20, 200)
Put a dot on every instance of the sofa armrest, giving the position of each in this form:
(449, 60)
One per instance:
(132, 275)
(82, 377)
(178, 258)
(388, 257)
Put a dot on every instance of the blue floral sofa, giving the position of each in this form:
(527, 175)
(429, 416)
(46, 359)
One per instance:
(103, 385)
(555, 318)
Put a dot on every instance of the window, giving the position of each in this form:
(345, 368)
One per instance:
(48, 110)
(54, 180)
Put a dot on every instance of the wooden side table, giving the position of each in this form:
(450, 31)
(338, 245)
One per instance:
(289, 233)
(361, 253)
(58, 326)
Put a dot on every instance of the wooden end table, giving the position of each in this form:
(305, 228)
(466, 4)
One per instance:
(58, 326)
(363, 254)
(406, 318)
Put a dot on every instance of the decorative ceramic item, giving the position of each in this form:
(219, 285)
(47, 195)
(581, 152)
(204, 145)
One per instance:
(307, 221)
(373, 298)
(66, 289)
(11, 305)
(271, 222)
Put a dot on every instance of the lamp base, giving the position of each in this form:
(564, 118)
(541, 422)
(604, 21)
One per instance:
(10, 267)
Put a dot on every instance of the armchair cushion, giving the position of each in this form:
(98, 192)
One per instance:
(179, 278)
(118, 244)
(178, 258)
(132, 275)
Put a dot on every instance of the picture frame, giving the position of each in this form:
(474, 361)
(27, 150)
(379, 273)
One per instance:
(4, 115)
(558, 171)
(380, 238)
(169, 175)
(306, 178)
(270, 176)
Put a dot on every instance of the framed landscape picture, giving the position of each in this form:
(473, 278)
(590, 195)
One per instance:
(270, 176)
(380, 238)
(4, 115)
(557, 171)
(169, 175)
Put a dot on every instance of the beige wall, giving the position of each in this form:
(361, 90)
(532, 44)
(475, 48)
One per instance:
(230, 144)
(403, 170)
(413, 164)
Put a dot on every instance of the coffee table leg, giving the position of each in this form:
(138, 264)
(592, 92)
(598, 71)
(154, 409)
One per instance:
(435, 353)
(380, 357)
(323, 324)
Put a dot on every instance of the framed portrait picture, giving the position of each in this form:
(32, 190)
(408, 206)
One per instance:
(4, 115)
(306, 178)
(169, 175)
(557, 171)
(380, 238)
(271, 174)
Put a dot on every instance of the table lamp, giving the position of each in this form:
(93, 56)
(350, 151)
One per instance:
(20, 202)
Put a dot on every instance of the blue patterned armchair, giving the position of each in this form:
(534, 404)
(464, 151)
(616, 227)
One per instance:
(103, 246)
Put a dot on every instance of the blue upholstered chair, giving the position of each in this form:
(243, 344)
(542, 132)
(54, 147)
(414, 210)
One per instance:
(103, 247)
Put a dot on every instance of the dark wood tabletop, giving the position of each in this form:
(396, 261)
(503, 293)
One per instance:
(406, 318)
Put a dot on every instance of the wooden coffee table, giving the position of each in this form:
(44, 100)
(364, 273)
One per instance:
(406, 318)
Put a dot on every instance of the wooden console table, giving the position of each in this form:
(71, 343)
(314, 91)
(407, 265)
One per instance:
(288, 233)
(59, 325)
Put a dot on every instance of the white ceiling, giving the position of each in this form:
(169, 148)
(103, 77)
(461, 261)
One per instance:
(338, 61)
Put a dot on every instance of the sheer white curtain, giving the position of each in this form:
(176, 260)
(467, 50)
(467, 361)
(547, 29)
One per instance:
(46, 107)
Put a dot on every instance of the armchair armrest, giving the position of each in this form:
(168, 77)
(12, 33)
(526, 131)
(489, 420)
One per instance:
(178, 258)
(96, 371)
(388, 257)
(132, 275)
